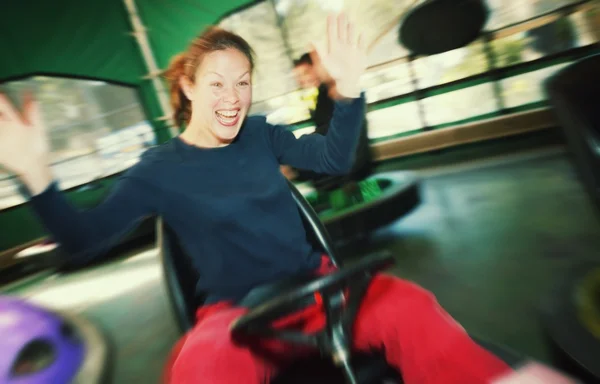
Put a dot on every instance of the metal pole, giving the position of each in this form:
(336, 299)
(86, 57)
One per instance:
(494, 71)
(418, 92)
(139, 31)
(283, 32)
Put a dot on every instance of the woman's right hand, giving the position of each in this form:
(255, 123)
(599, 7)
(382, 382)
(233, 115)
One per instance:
(24, 146)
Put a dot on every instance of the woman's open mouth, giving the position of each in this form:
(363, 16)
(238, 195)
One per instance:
(228, 117)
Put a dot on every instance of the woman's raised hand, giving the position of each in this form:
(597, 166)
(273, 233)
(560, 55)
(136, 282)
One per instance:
(24, 146)
(344, 56)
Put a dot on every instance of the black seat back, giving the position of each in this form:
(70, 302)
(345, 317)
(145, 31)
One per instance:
(181, 278)
(574, 96)
(316, 233)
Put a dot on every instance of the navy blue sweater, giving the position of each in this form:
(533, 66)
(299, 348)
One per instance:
(230, 206)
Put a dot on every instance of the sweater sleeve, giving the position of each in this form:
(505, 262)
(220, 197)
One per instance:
(86, 235)
(331, 154)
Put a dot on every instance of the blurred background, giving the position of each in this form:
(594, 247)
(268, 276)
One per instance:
(99, 128)
(476, 183)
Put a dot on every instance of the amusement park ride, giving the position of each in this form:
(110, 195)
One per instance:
(40, 345)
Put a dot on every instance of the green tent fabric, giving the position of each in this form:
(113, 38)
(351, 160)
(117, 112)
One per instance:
(94, 40)
(173, 24)
(87, 39)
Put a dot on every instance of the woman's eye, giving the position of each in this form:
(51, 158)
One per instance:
(244, 83)
(218, 85)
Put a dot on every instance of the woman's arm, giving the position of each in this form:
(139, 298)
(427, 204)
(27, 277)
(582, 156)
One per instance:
(331, 154)
(344, 59)
(86, 235)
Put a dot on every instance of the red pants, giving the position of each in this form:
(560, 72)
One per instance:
(419, 339)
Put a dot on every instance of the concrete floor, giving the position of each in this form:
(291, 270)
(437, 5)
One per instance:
(489, 239)
(489, 242)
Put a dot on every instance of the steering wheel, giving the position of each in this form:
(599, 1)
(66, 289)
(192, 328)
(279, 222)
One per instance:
(340, 293)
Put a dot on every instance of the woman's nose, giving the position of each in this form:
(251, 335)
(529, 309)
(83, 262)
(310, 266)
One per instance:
(231, 96)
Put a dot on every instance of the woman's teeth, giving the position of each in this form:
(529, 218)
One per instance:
(227, 117)
(227, 114)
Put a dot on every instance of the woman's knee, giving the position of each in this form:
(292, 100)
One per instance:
(404, 304)
(392, 303)
(209, 359)
(173, 355)
(209, 352)
(391, 289)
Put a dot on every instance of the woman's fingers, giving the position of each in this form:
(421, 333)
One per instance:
(31, 111)
(36, 116)
(342, 28)
(351, 34)
(8, 113)
(30, 116)
(360, 42)
(331, 33)
(341, 32)
(27, 107)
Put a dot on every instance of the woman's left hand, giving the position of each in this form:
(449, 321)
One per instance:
(344, 57)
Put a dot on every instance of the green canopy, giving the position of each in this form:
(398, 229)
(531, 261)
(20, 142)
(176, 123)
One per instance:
(94, 39)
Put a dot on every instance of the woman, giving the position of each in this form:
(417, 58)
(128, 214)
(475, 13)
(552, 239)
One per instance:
(218, 185)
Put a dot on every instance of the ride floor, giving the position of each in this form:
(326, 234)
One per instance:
(489, 239)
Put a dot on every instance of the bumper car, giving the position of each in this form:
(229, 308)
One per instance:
(28, 262)
(571, 313)
(353, 205)
(574, 98)
(41, 248)
(336, 363)
(42, 346)
(571, 318)
(355, 209)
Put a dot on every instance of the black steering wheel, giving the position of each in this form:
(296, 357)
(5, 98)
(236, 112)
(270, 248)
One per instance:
(341, 294)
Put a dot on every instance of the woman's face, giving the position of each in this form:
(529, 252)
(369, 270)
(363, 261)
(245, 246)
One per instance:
(221, 95)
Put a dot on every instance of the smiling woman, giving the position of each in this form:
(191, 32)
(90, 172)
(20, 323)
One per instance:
(221, 96)
(219, 90)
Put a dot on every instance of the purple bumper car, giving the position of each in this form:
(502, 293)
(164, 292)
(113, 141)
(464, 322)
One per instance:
(42, 346)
